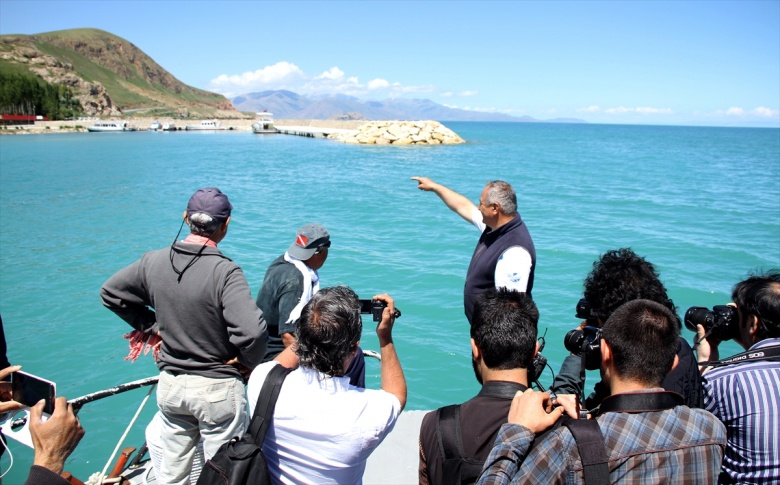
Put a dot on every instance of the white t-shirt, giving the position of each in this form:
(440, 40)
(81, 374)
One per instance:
(514, 265)
(323, 429)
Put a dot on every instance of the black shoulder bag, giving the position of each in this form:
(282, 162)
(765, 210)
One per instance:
(240, 461)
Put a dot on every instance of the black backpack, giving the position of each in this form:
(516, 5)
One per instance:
(456, 468)
(240, 461)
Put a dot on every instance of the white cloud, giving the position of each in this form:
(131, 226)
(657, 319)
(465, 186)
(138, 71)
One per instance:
(589, 109)
(645, 110)
(334, 73)
(280, 74)
(767, 112)
(377, 84)
(758, 112)
(286, 75)
(471, 92)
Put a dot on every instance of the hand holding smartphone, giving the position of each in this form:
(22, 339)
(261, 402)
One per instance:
(28, 389)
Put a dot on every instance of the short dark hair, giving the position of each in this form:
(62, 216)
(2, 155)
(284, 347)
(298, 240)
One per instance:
(759, 295)
(643, 336)
(619, 276)
(329, 327)
(504, 328)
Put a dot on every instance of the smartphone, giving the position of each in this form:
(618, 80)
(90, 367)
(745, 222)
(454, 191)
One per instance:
(28, 389)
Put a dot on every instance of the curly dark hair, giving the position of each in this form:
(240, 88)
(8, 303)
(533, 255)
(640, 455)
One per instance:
(759, 295)
(329, 328)
(619, 276)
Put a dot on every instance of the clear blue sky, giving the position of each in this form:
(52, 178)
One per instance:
(651, 62)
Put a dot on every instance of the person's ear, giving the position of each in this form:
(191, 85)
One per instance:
(184, 215)
(676, 361)
(753, 324)
(475, 353)
(536, 350)
(606, 353)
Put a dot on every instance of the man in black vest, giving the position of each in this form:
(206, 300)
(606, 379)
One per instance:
(503, 345)
(505, 255)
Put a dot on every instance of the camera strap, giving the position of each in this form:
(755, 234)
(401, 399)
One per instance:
(771, 352)
(640, 402)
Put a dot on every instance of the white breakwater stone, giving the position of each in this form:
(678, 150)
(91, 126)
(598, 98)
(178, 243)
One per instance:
(400, 133)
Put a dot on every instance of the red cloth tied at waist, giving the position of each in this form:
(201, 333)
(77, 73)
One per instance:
(140, 341)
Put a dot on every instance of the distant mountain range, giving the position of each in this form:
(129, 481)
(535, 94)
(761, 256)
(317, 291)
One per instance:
(289, 105)
(110, 77)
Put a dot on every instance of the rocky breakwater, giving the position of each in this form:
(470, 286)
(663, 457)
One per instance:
(400, 133)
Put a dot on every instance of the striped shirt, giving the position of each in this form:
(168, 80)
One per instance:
(746, 397)
(679, 445)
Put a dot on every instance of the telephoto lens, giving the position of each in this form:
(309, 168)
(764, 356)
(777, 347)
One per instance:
(573, 341)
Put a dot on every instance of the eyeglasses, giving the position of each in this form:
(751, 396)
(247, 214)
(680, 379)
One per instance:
(321, 246)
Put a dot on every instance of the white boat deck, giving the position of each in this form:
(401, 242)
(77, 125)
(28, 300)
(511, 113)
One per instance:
(395, 461)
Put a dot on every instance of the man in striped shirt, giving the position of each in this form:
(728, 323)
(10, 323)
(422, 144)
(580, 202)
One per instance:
(746, 396)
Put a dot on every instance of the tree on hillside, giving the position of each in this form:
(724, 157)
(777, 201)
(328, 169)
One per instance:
(22, 95)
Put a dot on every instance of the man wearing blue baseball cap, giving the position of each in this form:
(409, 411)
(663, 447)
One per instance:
(199, 302)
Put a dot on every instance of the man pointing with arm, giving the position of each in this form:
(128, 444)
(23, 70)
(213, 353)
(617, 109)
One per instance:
(505, 256)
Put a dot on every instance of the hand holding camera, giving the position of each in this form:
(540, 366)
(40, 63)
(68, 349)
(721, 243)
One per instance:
(721, 323)
(376, 307)
(382, 308)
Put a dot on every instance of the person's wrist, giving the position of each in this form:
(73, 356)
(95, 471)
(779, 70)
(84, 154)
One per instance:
(54, 464)
(385, 338)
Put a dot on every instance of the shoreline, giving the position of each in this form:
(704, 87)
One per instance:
(142, 124)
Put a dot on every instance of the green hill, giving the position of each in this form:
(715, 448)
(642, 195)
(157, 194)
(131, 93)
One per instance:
(110, 75)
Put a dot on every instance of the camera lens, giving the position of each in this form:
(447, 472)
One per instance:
(698, 315)
(573, 341)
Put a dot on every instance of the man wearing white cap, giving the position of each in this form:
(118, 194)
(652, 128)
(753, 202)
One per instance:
(199, 302)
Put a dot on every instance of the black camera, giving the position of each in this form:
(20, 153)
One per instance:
(722, 322)
(375, 308)
(539, 364)
(585, 311)
(586, 343)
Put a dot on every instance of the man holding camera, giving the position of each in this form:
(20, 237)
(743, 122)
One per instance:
(744, 394)
(324, 429)
(618, 277)
(503, 346)
(505, 256)
(650, 436)
(290, 282)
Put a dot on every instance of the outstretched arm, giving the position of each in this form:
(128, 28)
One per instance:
(455, 201)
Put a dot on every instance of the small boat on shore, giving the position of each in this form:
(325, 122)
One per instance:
(155, 126)
(205, 125)
(101, 126)
(264, 124)
(168, 127)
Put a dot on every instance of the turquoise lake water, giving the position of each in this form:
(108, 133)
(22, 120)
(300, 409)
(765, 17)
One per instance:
(702, 204)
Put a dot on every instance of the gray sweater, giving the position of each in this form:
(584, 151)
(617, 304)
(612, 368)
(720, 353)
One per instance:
(205, 317)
